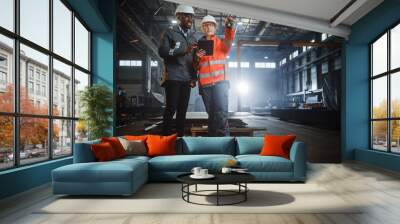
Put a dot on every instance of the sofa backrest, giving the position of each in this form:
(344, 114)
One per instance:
(83, 152)
(249, 145)
(208, 145)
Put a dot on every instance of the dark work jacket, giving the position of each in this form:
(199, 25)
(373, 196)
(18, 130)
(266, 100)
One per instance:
(179, 65)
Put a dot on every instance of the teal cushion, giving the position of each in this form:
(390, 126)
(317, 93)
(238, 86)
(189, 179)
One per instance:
(185, 163)
(83, 152)
(208, 145)
(111, 171)
(249, 145)
(257, 163)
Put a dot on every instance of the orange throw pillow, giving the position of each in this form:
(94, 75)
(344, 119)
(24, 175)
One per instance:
(135, 137)
(161, 145)
(116, 145)
(277, 145)
(103, 152)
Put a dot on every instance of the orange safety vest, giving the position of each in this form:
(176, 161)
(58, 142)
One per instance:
(211, 69)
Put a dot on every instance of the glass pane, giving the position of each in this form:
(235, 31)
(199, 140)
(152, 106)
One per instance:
(395, 95)
(81, 45)
(34, 82)
(7, 14)
(395, 136)
(62, 138)
(314, 82)
(81, 81)
(62, 89)
(379, 56)
(6, 142)
(395, 47)
(33, 139)
(62, 29)
(379, 135)
(35, 21)
(81, 131)
(379, 98)
(6, 74)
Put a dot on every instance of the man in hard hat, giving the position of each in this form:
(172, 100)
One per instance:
(177, 50)
(212, 73)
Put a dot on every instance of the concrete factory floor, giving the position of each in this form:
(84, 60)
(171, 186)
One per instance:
(323, 145)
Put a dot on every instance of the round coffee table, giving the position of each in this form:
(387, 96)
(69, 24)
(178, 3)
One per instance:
(238, 179)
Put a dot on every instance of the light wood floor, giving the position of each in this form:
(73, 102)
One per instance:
(378, 189)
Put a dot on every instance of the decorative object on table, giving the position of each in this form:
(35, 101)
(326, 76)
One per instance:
(96, 104)
(200, 173)
(237, 196)
(232, 163)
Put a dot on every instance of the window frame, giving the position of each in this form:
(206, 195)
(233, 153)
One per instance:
(15, 72)
(388, 74)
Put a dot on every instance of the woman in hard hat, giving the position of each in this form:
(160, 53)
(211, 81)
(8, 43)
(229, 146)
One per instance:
(211, 75)
(177, 51)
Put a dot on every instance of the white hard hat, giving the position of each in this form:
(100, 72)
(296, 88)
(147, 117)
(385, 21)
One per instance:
(184, 9)
(209, 19)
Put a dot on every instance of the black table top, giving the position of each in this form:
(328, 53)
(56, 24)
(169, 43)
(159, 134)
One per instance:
(220, 178)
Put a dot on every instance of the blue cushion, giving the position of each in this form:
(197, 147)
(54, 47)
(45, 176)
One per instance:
(257, 163)
(83, 152)
(249, 145)
(208, 145)
(184, 163)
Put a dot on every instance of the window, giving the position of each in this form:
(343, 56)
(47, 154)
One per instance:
(35, 22)
(232, 64)
(63, 73)
(385, 94)
(124, 63)
(314, 82)
(40, 62)
(3, 78)
(30, 88)
(154, 63)
(45, 131)
(395, 47)
(81, 82)
(244, 64)
(7, 14)
(324, 67)
(135, 63)
(283, 61)
(264, 64)
(62, 29)
(6, 142)
(6, 74)
(81, 45)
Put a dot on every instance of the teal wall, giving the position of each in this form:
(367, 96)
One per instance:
(355, 95)
(100, 16)
(104, 52)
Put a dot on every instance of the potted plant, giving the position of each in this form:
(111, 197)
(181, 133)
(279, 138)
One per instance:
(96, 104)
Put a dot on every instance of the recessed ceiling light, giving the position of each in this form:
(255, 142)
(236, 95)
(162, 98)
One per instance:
(174, 22)
(266, 57)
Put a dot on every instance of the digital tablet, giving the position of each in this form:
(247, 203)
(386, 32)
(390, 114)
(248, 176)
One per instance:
(207, 46)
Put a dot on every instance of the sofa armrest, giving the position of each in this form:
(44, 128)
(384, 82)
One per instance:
(83, 152)
(298, 156)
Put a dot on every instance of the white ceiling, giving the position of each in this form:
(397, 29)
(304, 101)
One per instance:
(314, 15)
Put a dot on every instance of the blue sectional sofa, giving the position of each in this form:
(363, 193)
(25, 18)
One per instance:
(125, 176)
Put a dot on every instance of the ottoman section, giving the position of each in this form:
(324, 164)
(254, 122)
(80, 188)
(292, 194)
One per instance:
(100, 178)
